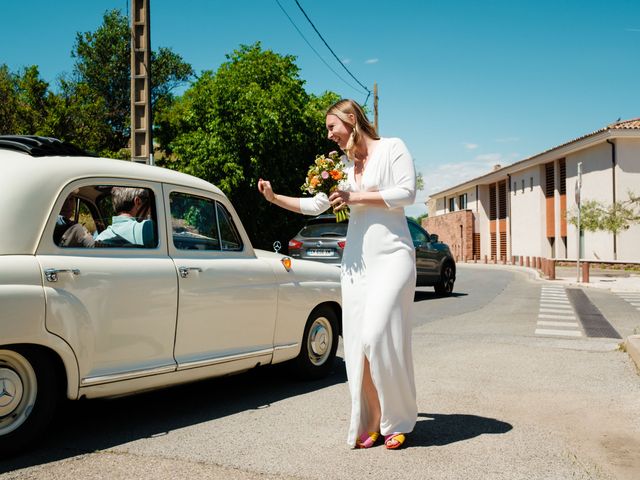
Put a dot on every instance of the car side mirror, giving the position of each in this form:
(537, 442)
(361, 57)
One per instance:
(433, 238)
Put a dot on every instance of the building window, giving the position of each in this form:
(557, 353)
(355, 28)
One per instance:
(531, 183)
(452, 204)
(523, 185)
(462, 201)
(515, 188)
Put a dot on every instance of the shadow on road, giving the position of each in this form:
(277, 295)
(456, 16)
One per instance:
(421, 295)
(90, 425)
(435, 429)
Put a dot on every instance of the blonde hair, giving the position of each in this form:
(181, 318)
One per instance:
(362, 126)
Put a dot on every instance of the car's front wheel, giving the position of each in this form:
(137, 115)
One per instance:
(319, 344)
(447, 278)
(28, 397)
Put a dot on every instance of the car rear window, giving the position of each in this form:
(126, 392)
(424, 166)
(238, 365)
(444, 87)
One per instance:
(325, 230)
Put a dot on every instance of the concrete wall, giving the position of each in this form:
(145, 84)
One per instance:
(628, 179)
(597, 184)
(527, 213)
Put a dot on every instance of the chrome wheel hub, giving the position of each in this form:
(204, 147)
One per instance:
(10, 391)
(18, 390)
(319, 341)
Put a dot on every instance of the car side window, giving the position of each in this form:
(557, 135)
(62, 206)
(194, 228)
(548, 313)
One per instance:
(126, 216)
(418, 236)
(107, 216)
(193, 222)
(228, 232)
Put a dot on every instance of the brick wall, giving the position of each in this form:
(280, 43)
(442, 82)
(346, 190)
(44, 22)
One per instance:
(447, 227)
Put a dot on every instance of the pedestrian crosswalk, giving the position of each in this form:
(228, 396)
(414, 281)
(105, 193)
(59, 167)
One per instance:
(633, 298)
(556, 316)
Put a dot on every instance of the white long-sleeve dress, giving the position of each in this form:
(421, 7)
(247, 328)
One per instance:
(378, 283)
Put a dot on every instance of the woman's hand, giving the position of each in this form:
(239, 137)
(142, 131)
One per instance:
(340, 199)
(264, 187)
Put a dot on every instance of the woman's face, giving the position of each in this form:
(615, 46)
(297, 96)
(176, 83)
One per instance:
(338, 131)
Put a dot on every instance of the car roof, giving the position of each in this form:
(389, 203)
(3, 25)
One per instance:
(30, 185)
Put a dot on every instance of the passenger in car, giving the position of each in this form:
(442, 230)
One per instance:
(68, 232)
(130, 226)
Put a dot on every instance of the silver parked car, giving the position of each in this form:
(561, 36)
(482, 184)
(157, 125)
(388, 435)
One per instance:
(323, 240)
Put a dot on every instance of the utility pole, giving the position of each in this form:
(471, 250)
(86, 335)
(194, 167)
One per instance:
(141, 138)
(375, 107)
(578, 203)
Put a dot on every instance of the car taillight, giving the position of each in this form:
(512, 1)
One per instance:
(295, 244)
(342, 244)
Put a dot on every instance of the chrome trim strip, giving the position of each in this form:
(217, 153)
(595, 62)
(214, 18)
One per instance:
(229, 358)
(126, 376)
(287, 346)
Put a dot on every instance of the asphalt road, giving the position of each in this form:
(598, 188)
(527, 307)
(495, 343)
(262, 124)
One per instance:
(496, 401)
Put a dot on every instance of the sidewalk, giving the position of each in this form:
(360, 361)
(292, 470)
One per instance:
(612, 280)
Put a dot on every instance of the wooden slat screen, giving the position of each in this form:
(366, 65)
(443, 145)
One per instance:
(502, 200)
(492, 202)
(493, 245)
(550, 183)
(563, 198)
(476, 245)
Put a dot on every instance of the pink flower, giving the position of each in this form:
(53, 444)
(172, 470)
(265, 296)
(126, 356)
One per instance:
(325, 174)
(332, 153)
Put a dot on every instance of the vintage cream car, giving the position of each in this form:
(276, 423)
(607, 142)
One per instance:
(90, 310)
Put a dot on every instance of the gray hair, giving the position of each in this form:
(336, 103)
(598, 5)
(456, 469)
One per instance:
(122, 198)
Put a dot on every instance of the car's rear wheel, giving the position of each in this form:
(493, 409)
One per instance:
(447, 278)
(28, 397)
(319, 344)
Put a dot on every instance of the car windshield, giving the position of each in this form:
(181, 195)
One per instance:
(325, 230)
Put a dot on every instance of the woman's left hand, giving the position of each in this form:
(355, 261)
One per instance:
(340, 199)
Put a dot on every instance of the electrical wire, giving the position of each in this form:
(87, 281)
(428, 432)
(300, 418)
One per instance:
(314, 50)
(333, 53)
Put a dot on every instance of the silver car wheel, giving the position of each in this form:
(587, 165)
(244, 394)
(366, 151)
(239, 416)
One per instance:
(319, 341)
(18, 390)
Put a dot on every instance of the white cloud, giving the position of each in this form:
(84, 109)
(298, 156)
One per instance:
(346, 61)
(453, 173)
(372, 60)
(632, 29)
(470, 146)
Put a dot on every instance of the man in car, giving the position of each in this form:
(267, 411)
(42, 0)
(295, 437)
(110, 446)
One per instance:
(130, 226)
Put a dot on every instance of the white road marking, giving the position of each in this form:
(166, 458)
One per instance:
(563, 333)
(556, 317)
(544, 323)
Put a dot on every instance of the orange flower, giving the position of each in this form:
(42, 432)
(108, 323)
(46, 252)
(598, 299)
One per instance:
(335, 174)
(314, 181)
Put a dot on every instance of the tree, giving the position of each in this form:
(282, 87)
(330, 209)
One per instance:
(251, 119)
(101, 79)
(613, 218)
(24, 101)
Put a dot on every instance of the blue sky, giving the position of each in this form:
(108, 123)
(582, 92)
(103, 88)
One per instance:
(466, 84)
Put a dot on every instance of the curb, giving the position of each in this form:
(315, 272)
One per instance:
(632, 346)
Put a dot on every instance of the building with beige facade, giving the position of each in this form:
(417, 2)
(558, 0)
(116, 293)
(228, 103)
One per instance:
(520, 210)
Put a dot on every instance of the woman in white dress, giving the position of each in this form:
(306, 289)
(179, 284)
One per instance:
(378, 274)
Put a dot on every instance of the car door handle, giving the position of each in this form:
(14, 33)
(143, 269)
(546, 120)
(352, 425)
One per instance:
(51, 274)
(184, 271)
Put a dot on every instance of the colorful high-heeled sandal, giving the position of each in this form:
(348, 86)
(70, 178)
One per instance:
(367, 440)
(394, 440)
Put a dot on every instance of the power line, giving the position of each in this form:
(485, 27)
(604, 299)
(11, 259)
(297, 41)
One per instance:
(333, 53)
(314, 50)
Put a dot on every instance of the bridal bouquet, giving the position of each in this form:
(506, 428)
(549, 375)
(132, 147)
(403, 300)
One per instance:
(324, 176)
